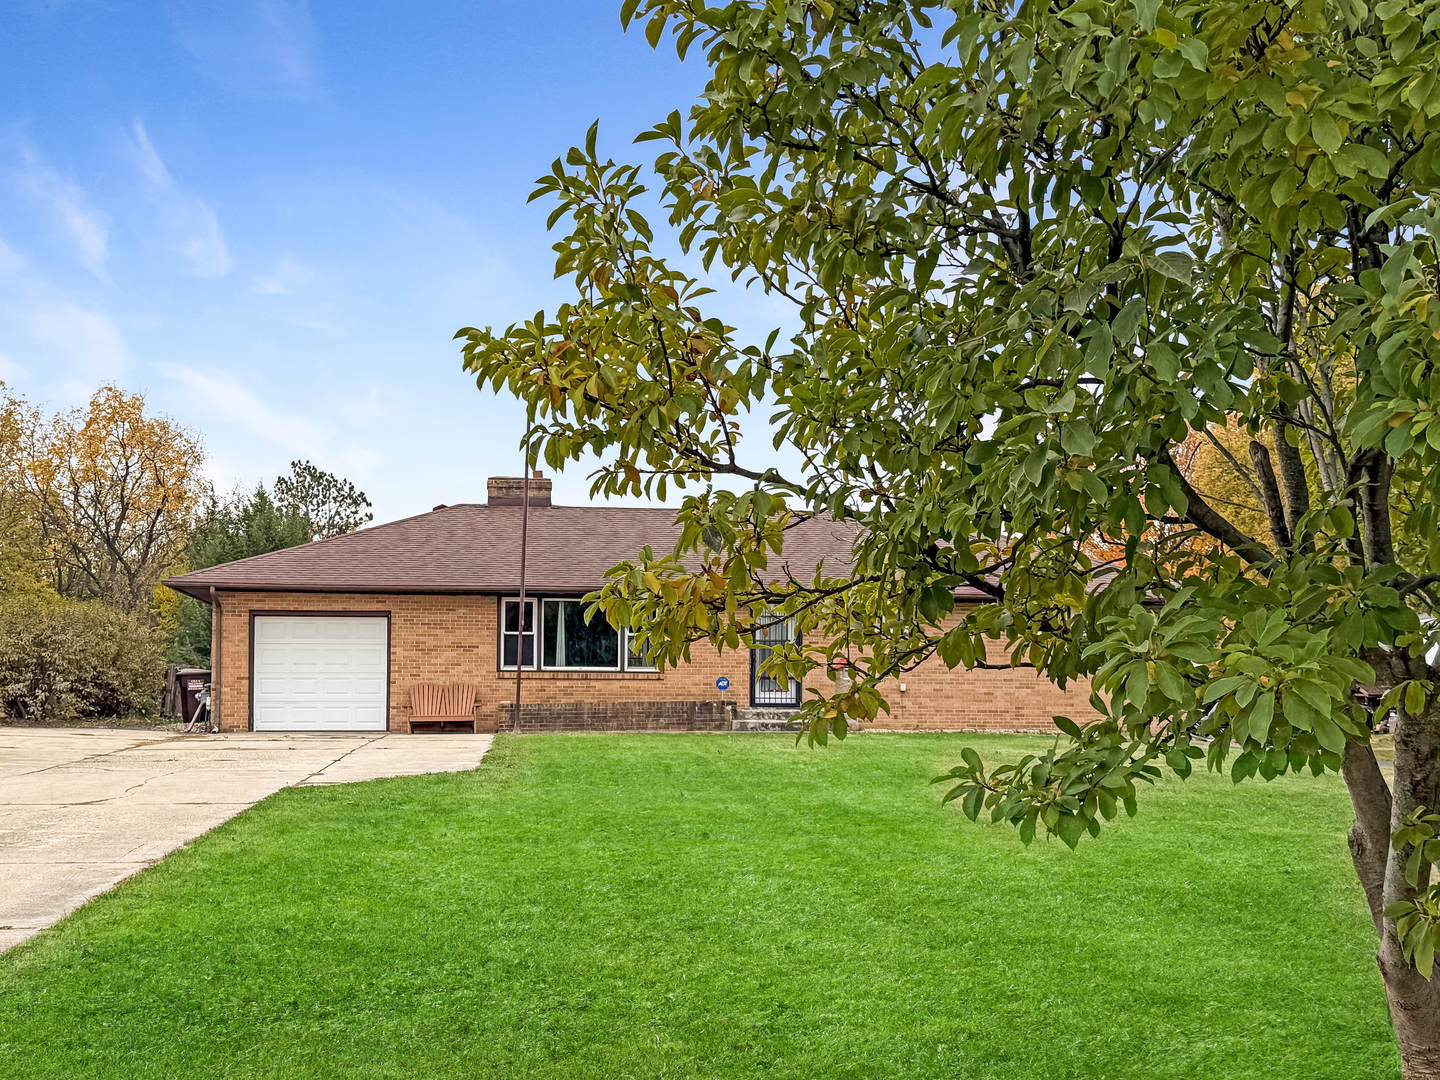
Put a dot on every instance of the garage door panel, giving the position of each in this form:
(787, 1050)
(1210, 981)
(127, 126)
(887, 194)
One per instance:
(320, 673)
(371, 630)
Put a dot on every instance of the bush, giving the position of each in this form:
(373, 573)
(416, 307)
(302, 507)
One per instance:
(75, 659)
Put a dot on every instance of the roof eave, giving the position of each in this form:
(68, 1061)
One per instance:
(201, 590)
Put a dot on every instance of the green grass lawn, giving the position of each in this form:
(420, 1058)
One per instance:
(717, 906)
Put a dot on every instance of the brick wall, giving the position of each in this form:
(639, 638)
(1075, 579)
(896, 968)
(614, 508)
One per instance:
(452, 639)
(1015, 699)
(936, 698)
(621, 716)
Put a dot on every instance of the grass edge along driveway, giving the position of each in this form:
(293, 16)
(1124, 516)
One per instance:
(716, 906)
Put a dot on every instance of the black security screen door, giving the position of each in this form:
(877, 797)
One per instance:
(766, 691)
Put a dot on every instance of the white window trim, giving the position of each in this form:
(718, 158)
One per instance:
(538, 633)
(520, 645)
(625, 640)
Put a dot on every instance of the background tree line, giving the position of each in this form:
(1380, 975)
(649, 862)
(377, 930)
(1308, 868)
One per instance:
(97, 506)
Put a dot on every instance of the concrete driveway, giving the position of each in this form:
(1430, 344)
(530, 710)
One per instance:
(83, 809)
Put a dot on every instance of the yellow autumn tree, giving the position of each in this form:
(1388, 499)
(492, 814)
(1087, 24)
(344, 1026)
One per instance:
(112, 492)
(22, 568)
(1223, 470)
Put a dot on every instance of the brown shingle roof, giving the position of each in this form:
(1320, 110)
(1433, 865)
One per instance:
(475, 548)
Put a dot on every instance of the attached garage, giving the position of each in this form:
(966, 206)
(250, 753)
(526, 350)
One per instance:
(314, 672)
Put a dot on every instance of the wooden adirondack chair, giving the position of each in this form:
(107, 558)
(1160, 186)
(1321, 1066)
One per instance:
(436, 707)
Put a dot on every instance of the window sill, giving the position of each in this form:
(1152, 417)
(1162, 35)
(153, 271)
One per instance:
(566, 676)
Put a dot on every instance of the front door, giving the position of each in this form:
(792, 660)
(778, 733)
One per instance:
(767, 692)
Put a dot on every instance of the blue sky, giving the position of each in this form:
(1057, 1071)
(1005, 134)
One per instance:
(272, 216)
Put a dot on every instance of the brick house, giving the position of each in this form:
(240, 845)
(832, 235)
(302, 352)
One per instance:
(335, 635)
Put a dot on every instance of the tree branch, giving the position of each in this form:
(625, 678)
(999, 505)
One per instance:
(1270, 495)
(1200, 513)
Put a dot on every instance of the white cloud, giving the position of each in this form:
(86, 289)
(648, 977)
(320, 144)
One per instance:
(10, 260)
(225, 398)
(59, 337)
(9, 370)
(261, 48)
(289, 275)
(88, 339)
(194, 224)
(68, 203)
(368, 407)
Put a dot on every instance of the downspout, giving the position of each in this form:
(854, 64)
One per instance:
(217, 624)
(520, 615)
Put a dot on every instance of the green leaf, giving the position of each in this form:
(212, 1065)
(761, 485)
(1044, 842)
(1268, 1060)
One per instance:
(1077, 438)
(1262, 714)
(1194, 50)
(1068, 726)
(1175, 265)
(1330, 736)
(1325, 132)
(1070, 829)
(1415, 697)
(1145, 12)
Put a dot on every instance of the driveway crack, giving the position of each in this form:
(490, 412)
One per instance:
(342, 757)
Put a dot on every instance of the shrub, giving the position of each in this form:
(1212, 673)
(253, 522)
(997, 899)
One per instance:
(72, 659)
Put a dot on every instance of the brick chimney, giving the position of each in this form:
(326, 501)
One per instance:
(509, 490)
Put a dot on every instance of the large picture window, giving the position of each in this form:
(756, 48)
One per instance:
(567, 642)
(571, 642)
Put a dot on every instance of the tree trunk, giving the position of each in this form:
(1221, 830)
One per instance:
(1414, 1001)
(1415, 1012)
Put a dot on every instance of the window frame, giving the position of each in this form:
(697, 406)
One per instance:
(625, 655)
(540, 657)
(534, 634)
(622, 666)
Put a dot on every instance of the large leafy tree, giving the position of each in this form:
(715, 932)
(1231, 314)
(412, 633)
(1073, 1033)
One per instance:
(1031, 248)
(110, 491)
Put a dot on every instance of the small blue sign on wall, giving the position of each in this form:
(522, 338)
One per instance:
(722, 683)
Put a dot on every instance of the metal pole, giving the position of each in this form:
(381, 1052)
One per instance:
(520, 615)
(217, 623)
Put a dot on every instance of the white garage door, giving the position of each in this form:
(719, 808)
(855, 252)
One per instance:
(320, 673)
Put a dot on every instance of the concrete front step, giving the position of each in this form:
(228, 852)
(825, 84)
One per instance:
(765, 720)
